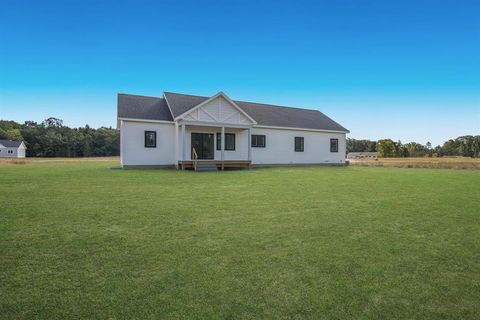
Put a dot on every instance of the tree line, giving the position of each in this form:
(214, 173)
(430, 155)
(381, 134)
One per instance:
(466, 146)
(51, 138)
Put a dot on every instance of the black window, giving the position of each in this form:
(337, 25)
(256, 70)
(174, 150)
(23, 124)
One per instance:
(333, 145)
(258, 140)
(229, 141)
(150, 139)
(298, 144)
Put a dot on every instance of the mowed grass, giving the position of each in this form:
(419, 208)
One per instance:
(80, 241)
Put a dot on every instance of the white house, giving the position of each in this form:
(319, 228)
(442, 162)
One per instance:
(12, 149)
(177, 129)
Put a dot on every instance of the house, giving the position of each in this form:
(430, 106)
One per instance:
(12, 149)
(180, 130)
(363, 155)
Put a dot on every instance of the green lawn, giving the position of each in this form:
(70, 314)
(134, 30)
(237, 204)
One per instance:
(80, 241)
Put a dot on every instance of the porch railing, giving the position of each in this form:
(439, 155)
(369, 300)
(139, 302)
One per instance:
(194, 158)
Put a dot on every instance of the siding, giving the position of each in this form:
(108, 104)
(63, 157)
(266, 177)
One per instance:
(17, 152)
(216, 111)
(280, 147)
(132, 142)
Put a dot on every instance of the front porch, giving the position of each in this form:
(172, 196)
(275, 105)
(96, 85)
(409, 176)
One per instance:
(212, 146)
(216, 134)
(220, 164)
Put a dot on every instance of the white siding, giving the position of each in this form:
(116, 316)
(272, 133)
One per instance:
(15, 153)
(133, 151)
(21, 152)
(280, 147)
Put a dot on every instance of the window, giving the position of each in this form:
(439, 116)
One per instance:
(258, 140)
(299, 144)
(150, 139)
(229, 141)
(333, 145)
(10, 151)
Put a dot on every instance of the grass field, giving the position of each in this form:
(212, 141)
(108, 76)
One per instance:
(80, 241)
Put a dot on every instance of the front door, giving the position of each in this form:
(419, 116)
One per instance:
(203, 144)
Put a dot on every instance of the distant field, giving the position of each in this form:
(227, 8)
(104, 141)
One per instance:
(8, 161)
(444, 162)
(78, 240)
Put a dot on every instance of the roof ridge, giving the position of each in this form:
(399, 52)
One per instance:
(138, 95)
(185, 94)
(277, 106)
(260, 103)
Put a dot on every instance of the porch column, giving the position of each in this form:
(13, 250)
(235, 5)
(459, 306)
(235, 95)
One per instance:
(249, 144)
(222, 143)
(175, 158)
(122, 142)
(184, 143)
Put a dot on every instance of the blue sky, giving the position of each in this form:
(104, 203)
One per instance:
(408, 70)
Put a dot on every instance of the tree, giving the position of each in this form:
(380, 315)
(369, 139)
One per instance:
(476, 146)
(52, 139)
(3, 134)
(415, 149)
(428, 145)
(53, 122)
(386, 148)
(14, 134)
(354, 145)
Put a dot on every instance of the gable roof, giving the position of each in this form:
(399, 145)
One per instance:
(204, 102)
(263, 114)
(142, 107)
(11, 143)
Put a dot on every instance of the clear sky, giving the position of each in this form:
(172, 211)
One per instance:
(408, 70)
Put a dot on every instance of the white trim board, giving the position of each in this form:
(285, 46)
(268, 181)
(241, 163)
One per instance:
(209, 124)
(297, 129)
(145, 120)
(213, 124)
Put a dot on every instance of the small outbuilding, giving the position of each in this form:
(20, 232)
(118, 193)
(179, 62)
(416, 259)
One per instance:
(363, 155)
(12, 149)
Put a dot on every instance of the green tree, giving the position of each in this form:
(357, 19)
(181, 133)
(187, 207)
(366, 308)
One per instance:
(386, 148)
(3, 133)
(354, 145)
(14, 134)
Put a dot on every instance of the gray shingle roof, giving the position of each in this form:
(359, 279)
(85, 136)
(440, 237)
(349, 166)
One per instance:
(277, 116)
(181, 103)
(264, 114)
(10, 143)
(141, 107)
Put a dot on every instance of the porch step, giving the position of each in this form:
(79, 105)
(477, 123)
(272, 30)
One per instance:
(206, 166)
